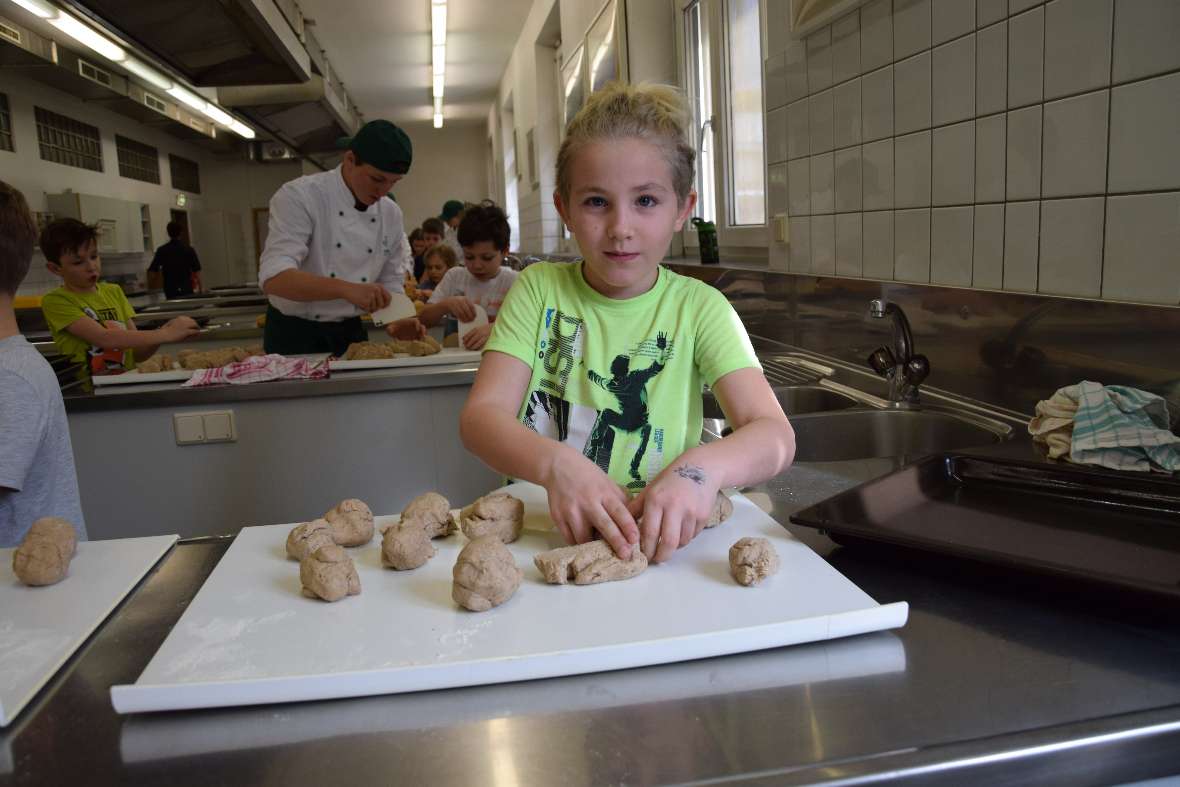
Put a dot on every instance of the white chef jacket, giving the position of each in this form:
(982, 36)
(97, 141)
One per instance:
(315, 227)
(451, 238)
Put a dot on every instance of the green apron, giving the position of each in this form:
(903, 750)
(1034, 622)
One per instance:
(296, 336)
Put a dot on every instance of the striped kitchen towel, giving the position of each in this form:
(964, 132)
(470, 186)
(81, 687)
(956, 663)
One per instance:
(1121, 428)
(260, 369)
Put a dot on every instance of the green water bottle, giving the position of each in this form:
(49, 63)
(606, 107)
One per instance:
(707, 237)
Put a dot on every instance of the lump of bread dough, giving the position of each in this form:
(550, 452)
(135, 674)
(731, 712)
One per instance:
(485, 575)
(352, 523)
(752, 560)
(405, 546)
(722, 510)
(369, 351)
(160, 362)
(45, 553)
(588, 564)
(498, 514)
(308, 537)
(329, 573)
(432, 512)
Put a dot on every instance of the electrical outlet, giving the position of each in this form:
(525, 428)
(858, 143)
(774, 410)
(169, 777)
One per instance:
(197, 428)
(219, 427)
(189, 428)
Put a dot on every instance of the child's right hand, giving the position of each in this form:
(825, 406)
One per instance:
(461, 308)
(583, 499)
(180, 328)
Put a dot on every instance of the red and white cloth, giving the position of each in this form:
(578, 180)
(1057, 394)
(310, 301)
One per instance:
(260, 369)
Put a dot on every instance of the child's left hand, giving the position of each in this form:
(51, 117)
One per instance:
(673, 508)
(476, 338)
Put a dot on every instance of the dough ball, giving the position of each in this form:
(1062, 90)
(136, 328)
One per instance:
(308, 537)
(752, 560)
(43, 558)
(329, 573)
(406, 546)
(722, 510)
(432, 512)
(485, 575)
(588, 564)
(499, 514)
(352, 523)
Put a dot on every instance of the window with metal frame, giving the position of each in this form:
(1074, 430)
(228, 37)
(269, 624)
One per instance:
(137, 160)
(747, 160)
(700, 95)
(186, 175)
(5, 125)
(64, 140)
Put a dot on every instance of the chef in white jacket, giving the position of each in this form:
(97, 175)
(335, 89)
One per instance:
(336, 248)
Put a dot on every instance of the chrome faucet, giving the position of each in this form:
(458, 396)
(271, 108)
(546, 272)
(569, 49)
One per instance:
(902, 367)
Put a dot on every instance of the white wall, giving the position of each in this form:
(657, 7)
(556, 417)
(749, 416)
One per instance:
(449, 163)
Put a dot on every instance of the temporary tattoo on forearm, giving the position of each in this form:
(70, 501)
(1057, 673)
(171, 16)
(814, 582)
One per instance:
(692, 473)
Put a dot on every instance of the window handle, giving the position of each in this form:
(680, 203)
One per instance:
(708, 124)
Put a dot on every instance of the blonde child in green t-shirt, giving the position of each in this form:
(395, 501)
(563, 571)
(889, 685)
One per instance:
(91, 321)
(591, 382)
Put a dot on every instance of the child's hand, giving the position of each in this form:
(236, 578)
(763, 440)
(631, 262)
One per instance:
(408, 329)
(461, 308)
(180, 328)
(583, 499)
(476, 338)
(673, 509)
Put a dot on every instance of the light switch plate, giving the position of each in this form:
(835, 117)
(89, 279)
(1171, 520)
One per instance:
(781, 232)
(219, 427)
(189, 428)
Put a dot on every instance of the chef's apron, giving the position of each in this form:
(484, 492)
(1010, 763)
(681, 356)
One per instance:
(288, 335)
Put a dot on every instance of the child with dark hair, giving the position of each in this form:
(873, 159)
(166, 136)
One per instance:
(37, 477)
(483, 280)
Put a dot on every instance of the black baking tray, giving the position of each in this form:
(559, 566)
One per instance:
(1108, 527)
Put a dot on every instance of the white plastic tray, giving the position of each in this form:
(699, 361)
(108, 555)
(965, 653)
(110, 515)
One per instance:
(447, 355)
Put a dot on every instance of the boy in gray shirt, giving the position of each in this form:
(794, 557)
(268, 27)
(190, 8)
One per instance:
(37, 476)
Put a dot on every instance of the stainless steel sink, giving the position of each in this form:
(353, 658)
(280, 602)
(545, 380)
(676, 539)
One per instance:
(869, 434)
(795, 399)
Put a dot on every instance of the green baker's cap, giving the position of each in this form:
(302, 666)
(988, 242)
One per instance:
(382, 145)
(451, 209)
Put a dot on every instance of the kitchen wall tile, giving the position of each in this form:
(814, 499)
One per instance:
(991, 69)
(848, 189)
(951, 19)
(777, 26)
(953, 81)
(877, 174)
(776, 189)
(820, 116)
(1024, 154)
(799, 187)
(876, 96)
(1145, 135)
(877, 258)
(952, 171)
(1016, 6)
(911, 245)
(1142, 236)
(799, 254)
(990, 141)
(1145, 36)
(951, 245)
(819, 60)
(846, 48)
(823, 244)
(822, 185)
(990, 11)
(911, 94)
(796, 73)
(848, 244)
(846, 110)
(987, 266)
(1021, 227)
(876, 34)
(1026, 58)
(1077, 46)
(776, 80)
(1075, 145)
(911, 27)
(776, 135)
(912, 170)
(798, 133)
(1071, 247)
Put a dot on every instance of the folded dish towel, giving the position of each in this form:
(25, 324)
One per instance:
(260, 369)
(1108, 425)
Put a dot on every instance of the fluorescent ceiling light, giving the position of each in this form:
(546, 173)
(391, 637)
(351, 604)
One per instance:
(37, 8)
(438, 120)
(217, 115)
(146, 73)
(438, 105)
(187, 97)
(438, 85)
(241, 129)
(88, 37)
(438, 24)
(440, 59)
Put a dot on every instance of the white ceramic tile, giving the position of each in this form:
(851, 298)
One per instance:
(991, 69)
(990, 11)
(776, 135)
(819, 60)
(951, 245)
(951, 19)
(877, 174)
(796, 74)
(823, 244)
(1024, 154)
(911, 256)
(1145, 135)
(847, 167)
(989, 158)
(911, 94)
(876, 97)
(821, 119)
(876, 34)
(987, 266)
(1142, 236)
(1021, 226)
(823, 192)
(846, 110)
(798, 135)
(911, 175)
(777, 25)
(846, 48)
(877, 231)
(1075, 145)
(953, 81)
(1077, 46)
(776, 81)
(776, 189)
(1071, 247)
(799, 187)
(1016, 6)
(952, 171)
(1146, 33)
(911, 27)
(848, 244)
(1026, 57)
(799, 254)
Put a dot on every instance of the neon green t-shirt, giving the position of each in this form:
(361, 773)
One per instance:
(620, 380)
(105, 305)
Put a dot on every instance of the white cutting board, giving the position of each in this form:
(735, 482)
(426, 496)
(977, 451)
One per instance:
(41, 627)
(447, 355)
(250, 637)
